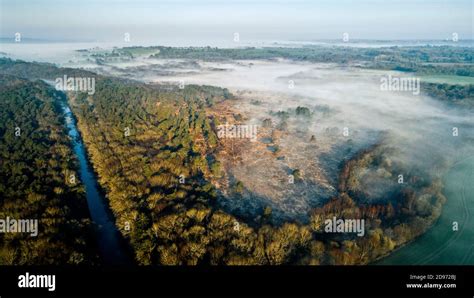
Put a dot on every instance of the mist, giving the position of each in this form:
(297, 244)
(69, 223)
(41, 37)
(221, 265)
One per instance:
(419, 128)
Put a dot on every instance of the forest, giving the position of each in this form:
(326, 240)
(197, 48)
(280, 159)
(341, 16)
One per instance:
(38, 179)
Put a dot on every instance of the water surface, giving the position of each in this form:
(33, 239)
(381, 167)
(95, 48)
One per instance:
(110, 243)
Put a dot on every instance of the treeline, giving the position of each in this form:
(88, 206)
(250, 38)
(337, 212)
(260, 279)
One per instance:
(38, 179)
(458, 94)
(420, 59)
(393, 219)
(39, 71)
(418, 54)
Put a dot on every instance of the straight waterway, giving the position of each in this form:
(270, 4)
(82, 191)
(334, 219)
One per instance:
(111, 245)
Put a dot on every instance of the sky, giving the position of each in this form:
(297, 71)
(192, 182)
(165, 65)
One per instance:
(211, 20)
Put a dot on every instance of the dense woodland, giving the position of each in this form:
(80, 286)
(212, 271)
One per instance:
(36, 163)
(153, 149)
(402, 214)
(457, 94)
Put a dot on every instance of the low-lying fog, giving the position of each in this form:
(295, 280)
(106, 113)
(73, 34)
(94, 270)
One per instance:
(339, 98)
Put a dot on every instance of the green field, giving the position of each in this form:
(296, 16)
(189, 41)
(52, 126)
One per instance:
(448, 79)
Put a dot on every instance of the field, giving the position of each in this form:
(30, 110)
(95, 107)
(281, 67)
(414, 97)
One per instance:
(448, 79)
